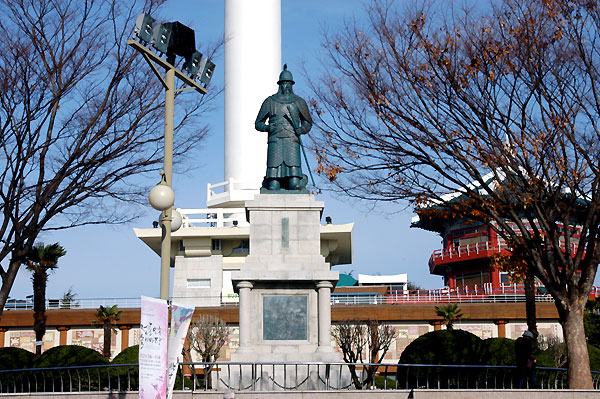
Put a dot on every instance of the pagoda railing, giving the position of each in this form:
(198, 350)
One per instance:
(456, 253)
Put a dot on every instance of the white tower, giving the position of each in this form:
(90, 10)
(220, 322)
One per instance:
(252, 65)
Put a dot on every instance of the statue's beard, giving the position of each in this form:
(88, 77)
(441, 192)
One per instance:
(285, 90)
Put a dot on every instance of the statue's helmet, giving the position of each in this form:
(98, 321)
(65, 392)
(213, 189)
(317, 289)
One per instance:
(285, 76)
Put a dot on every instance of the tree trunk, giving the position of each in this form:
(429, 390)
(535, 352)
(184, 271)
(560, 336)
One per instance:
(578, 364)
(207, 372)
(530, 304)
(39, 279)
(355, 380)
(107, 340)
(7, 282)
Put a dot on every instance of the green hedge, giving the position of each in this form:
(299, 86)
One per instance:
(445, 347)
(130, 355)
(15, 358)
(69, 355)
(499, 352)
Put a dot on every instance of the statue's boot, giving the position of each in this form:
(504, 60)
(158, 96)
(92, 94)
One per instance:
(274, 185)
(294, 183)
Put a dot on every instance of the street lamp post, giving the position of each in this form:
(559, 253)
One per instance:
(165, 244)
(161, 196)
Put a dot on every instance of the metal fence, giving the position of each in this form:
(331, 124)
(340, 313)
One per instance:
(285, 376)
(512, 293)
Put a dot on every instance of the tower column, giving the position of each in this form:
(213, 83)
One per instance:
(252, 61)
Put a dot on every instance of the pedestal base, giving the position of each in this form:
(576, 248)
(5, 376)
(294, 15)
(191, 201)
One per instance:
(285, 283)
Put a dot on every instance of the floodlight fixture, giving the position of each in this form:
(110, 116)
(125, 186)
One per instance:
(143, 27)
(161, 35)
(192, 64)
(174, 38)
(206, 70)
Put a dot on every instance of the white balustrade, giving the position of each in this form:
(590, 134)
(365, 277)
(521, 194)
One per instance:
(222, 190)
(213, 217)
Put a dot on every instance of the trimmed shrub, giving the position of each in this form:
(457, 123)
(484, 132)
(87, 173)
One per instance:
(130, 355)
(15, 358)
(594, 354)
(544, 359)
(69, 355)
(445, 347)
(499, 352)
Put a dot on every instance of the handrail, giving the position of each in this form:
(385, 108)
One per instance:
(483, 294)
(279, 376)
(480, 249)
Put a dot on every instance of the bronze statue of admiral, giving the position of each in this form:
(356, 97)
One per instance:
(288, 118)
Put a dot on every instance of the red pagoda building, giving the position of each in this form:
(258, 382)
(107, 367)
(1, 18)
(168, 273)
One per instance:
(465, 258)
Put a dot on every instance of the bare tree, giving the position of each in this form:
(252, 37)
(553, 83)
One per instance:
(363, 342)
(487, 114)
(555, 347)
(206, 337)
(80, 116)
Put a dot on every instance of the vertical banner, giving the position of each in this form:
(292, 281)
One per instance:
(180, 322)
(153, 348)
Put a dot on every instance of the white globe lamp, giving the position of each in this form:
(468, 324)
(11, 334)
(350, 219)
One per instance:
(162, 197)
(176, 220)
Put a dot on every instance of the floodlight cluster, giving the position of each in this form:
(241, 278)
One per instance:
(175, 39)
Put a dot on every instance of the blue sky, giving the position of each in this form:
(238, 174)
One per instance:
(109, 261)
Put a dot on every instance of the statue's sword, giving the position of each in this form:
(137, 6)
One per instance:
(296, 126)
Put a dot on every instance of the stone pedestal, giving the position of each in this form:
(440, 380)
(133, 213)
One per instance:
(285, 284)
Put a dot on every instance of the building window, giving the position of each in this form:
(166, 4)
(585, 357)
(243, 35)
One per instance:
(397, 287)
(216, 245)
(198, 283)
(244, 247)
(471, 279)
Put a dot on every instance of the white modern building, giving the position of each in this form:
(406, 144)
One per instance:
(394, 282)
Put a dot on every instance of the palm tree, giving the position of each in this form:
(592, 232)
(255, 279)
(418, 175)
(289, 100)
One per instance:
(450, 313)
(40, 261)
(107, 316)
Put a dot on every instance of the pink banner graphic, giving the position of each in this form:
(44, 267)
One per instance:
(153, 348)
(180, 322)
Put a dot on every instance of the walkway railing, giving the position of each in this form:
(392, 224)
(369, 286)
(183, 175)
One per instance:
(89, 303)
(285, 376)
(477, 294)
